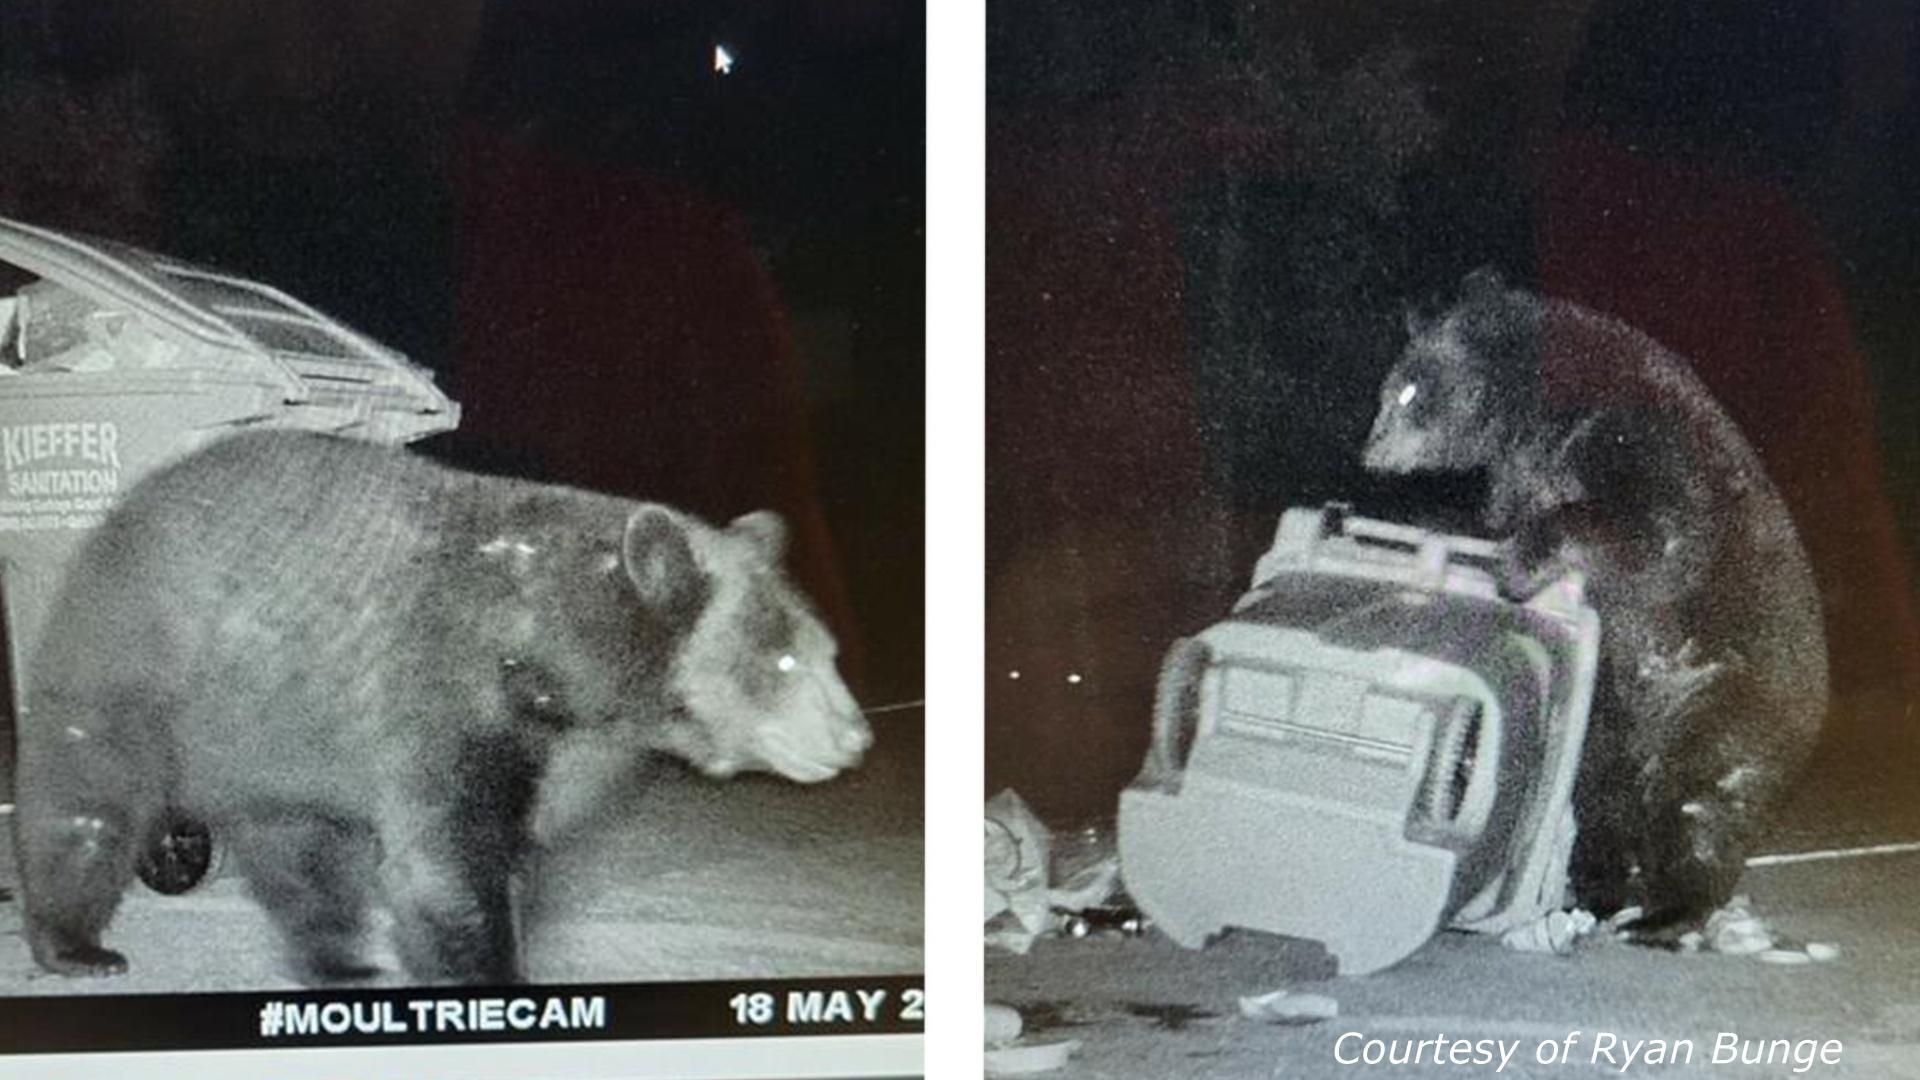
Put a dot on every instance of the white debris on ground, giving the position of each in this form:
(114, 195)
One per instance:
(1084, 872)
(1289, 1007)
(1003, 1024)
(1006, 1055)
(1037, 882)
(1026, 1060)
(1737, 930)
(1018, 908)
(1734, 930)
(1555, 932)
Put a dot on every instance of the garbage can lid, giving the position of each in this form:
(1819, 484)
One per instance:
(313, 357)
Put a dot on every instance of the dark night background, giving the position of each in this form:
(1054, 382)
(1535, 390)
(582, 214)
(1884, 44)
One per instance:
(1205, 219)
(635, 274)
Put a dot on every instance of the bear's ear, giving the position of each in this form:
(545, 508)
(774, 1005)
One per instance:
(1482, 283)
(1415, 322)
(768, 532)
(658, 556)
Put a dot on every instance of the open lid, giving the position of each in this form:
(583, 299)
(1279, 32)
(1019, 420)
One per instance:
(313, 358)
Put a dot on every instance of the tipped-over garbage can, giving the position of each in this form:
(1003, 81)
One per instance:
(115, 361)
(1373, 746)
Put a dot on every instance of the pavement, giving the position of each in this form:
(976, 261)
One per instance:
(1143, 1007)
(690, 879)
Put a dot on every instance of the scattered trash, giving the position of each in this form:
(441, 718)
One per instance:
(1554, 933)
(1017, 904)
(1003, 1024)
(1084, 869)
(1736, 931)
(1026, 1060)
(1094, 920)
(1041, 883)
(1289, 1007)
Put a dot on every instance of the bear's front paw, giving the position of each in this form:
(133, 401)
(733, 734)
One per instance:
(1517, 576)
(85, 961)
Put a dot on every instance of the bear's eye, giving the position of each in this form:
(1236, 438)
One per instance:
(1407, 394)
(786, 662)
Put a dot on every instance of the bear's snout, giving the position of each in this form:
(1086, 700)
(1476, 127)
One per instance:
(815, 749)
(855, 737)
(1378, 455)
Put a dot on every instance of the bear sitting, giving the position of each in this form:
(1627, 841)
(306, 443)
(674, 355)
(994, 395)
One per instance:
(362, 667)
(1604, 453)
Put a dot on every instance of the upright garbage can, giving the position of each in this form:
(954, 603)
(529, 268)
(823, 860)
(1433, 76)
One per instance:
(115, 361)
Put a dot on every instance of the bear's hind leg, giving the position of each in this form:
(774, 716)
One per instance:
(1693, 853)
(90, 782)
(76, 865)
(312, 872)
(1707, 807)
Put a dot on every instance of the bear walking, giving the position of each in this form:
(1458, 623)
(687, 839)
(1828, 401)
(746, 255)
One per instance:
(1604, 453)
(381, 678)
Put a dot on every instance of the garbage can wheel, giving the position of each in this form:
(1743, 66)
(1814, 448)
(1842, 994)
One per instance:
(181, 855)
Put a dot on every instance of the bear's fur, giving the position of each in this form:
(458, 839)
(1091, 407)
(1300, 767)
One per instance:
(373, 675)
(1604, 453)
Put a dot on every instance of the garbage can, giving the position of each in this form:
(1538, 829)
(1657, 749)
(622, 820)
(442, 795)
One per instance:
(1374, 745)
(115, 361)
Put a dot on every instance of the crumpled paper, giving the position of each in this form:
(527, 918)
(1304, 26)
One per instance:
(1084, 870)
(1289, 1007)
(1018, 848)
(1035, 875)
(1555, 932)
(1029, 1058)
(1003, 1024)
(1737, 930)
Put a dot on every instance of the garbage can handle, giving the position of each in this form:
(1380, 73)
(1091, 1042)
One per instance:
(1176, 714)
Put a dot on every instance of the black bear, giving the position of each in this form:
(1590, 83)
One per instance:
(1603, 452)
(368, 672)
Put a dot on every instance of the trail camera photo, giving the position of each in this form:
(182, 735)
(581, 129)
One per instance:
(461, 500)
(1452, 536)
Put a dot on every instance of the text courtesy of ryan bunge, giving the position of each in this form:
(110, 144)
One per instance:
(1602, 1049)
